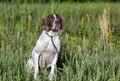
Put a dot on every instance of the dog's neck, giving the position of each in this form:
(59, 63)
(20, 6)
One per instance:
(51, 33)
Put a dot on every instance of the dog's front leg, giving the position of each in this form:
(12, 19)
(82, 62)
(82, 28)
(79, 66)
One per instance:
(35, 57)
(37, 51)
(51, 75)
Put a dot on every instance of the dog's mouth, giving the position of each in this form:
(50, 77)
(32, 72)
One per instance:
(55, 30)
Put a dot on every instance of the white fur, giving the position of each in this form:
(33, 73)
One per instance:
(30, 66)
(55, 16)
(54, 20)
(44, 48)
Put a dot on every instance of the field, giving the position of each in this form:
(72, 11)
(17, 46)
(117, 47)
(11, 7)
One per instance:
(90, 43)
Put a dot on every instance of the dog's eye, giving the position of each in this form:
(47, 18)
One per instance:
(49, 24)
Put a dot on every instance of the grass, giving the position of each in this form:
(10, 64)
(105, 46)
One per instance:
(83, 57)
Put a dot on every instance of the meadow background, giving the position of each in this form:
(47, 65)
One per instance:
(90, 40)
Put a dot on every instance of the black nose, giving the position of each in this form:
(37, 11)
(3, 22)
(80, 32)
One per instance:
(54, 30)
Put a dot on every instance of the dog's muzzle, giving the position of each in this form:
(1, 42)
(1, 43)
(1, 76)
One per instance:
(55, 30)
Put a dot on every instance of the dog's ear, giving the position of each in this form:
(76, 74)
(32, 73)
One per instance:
(44, 24)
(61, 22)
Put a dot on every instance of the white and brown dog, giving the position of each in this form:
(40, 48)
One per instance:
(45, 52)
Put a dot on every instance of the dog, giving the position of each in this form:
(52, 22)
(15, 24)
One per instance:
(45, 53)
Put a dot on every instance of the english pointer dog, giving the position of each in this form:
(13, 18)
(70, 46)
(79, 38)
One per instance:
(45, 53)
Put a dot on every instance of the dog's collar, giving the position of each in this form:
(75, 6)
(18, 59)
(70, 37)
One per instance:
(51, 34)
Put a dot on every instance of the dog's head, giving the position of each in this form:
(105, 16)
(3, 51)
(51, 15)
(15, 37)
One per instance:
(52, 22)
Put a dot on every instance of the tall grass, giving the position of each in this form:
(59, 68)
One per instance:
(82, 56)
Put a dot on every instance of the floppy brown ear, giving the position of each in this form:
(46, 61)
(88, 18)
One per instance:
(44, 24)
(61, 22)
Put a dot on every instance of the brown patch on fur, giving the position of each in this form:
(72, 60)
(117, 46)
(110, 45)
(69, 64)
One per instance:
(61, 20)
(47, 23)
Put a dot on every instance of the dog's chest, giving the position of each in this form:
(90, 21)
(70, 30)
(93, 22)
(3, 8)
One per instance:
(53, 46)
(49, 53)
(50, 48)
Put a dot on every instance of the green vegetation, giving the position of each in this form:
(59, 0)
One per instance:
(61, 1)
(85, 54)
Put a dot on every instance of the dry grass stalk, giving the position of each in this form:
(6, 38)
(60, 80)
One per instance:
(104, 26)
(84, 43)
(29, 21)
(82, 20)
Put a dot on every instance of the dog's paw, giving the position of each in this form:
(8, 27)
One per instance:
(51, 76)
